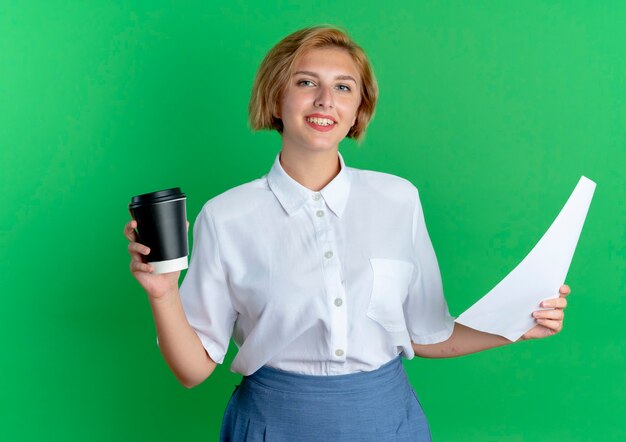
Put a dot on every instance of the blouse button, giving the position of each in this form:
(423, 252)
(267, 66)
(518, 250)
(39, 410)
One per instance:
(339, 352)
(328, 254)
(316, 197)
(320, 213)
(338, 302)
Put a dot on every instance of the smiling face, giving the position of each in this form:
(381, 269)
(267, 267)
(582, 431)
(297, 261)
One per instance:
(321, 100)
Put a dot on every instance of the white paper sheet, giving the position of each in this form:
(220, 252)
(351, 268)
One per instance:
(507, 309)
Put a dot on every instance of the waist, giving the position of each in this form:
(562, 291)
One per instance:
(385, 376)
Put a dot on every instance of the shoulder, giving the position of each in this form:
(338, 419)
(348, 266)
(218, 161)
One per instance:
(237, 201)
(387, 184)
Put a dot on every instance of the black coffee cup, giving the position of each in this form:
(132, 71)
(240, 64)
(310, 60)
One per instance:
(162, 225)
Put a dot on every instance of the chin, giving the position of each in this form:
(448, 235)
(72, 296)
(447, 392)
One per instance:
(319, 145)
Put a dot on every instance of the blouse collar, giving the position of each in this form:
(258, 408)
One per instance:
(293, 195)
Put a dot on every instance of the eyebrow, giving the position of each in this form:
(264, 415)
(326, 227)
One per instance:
(338, 77)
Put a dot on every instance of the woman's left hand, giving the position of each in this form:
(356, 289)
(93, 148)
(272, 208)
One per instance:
(549, 322)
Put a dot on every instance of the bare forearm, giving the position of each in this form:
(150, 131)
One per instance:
(180, 346)
(463, 341)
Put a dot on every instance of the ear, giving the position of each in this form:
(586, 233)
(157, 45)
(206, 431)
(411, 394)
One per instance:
(276, 111)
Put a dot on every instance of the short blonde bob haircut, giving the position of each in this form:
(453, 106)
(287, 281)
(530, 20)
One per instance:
(276, 68)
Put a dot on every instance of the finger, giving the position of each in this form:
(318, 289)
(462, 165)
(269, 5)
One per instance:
(136, 266)
(551, 324)
(555, 303)
(129, 230)
(549, 314)
(135, 252)
(138, 248)
(564, 290)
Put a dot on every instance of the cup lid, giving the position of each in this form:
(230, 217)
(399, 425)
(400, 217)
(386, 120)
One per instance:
(156, 197)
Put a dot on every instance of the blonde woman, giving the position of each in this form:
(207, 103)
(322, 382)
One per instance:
(323, 274)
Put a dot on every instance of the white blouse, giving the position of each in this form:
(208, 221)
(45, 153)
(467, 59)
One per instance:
(319, 283)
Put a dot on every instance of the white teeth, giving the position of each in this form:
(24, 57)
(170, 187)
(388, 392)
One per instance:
(321, 121)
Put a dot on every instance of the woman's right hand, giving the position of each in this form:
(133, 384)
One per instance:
(156, 285)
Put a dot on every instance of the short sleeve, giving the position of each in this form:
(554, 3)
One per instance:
(426, 311)
(205, 293)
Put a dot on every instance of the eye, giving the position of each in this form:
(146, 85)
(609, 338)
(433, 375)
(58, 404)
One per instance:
(347, 88)
(304, 81)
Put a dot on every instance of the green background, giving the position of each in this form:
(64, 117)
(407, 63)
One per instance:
(492, 109)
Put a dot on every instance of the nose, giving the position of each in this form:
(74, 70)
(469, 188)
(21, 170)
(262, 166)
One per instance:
(324, 97)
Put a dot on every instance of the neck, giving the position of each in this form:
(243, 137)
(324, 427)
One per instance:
(311, 169)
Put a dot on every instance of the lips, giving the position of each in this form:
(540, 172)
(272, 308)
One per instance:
(326, 117)
(320, 127)
(320, 122)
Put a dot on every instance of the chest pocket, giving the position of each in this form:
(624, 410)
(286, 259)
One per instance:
(389, 290)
